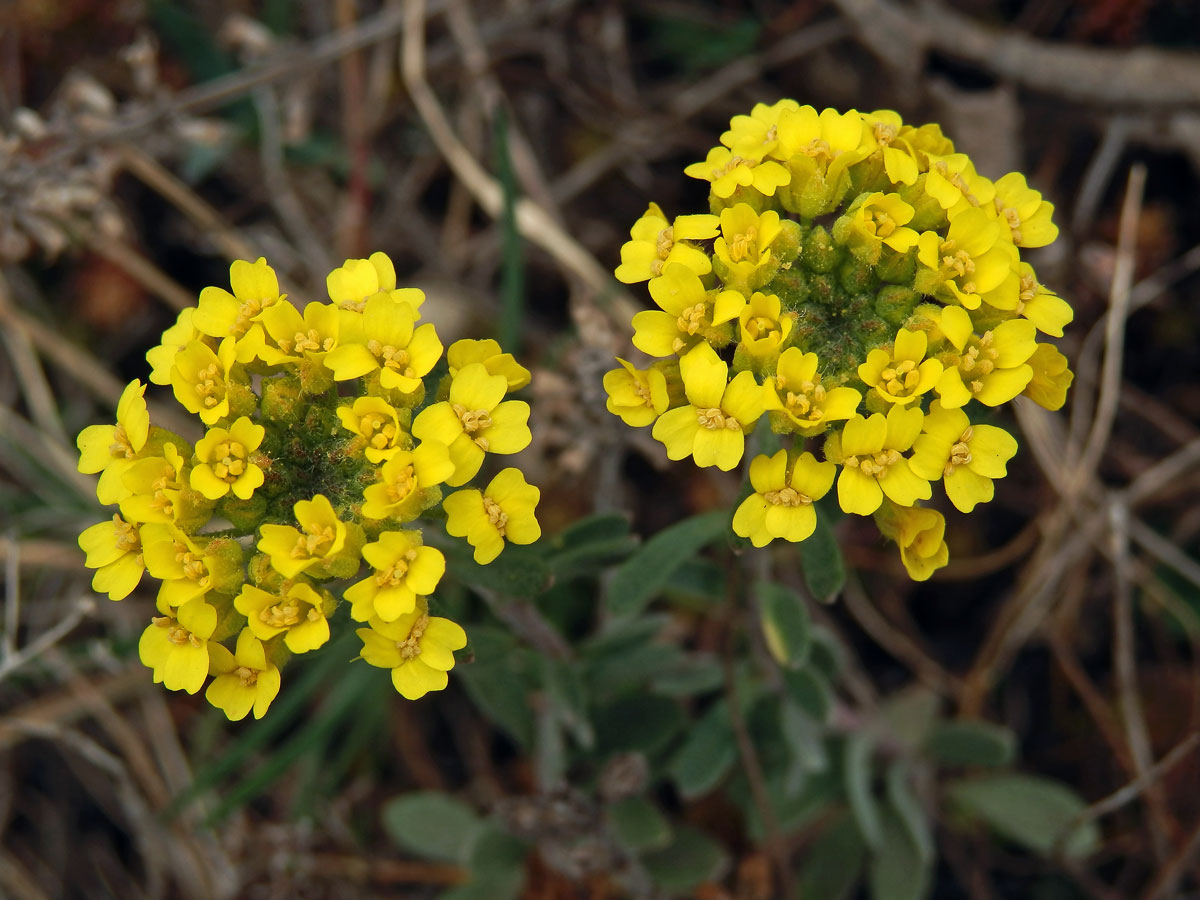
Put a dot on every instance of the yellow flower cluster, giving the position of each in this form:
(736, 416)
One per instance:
(320, 450)
(855, 280)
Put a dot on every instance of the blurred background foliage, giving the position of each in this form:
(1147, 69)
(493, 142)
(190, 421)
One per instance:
(647, 708)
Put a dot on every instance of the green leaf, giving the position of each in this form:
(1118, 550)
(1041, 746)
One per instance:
(907, 808)
(690, 859)
(433, 825)
(1028, 810)
(908, 716)
(565, 690)
(639, 825)
(643, 575)
(590, 544)
(828, 655)
(706, 756)
(805, 738)
(501, 689)
(859, 776)
(785, 624)
(972, 743)
(641, 722)
(696, 673)
(517, 572)
(808, 688)
(821, 559)
(897, 870)
(833, 862)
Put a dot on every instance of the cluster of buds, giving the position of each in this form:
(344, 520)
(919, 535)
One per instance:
(857, 281)
(320, 450)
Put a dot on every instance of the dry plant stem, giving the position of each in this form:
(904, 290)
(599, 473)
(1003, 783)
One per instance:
(88, 371)
(218, 92)
(534, 223)
(1098, 173)
(65, 707)
(1135, 788)
(147, 170)
(12, 596)
(351, 232)
(774, 844)
(48, 451)
(47, 639)
(1139, 78)
(1164, 551)
(1096, 705)
(1165, 882)
(34, 386)
(1114, 336)
(141, 270)
(283, 197)
(1125, 667)
(969, 568)
(524, 161)
(895, 642)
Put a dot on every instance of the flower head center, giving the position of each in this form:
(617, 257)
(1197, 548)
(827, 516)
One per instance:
(231, 461)
(473, 420)
(714, 419)
(497, 516)
(787, 496)
(284, 614)
(121, 445)
(126, 535)
(247, 676)
(410, 647)
(744, 246)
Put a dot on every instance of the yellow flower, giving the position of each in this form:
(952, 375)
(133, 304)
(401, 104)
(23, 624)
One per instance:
(111, 449)
(417, 647)
(404, 571)
(292, 551)
(1024, 211)
(763, 329)
(503, 511)
(830, 138)
(154, 487)
(384, 339)
(244, 680)
(874, 221)
(819, 149)
(972, 262)
(407, 480)
(223, 461)
(189, 567)
(295, 337)
(1041, 306)
(870, 452)
(377, 422)
(201, 379)
(719, 414)
(743, 251)
(756, 135)
(298, 614)
(953, 182)
(114, 550)
(175, 646)
(797, 397)
(886, 134)
(728, 172)
(781, 505)
(1051, 377)
(966, 457)
(638, 396)
(920, 534)
(657, 242)
(358, 280)
(904, 374)
(464, 352)
(991, 368)
(174, 339)
(475, 420)
(686, 313)
(220, 314)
